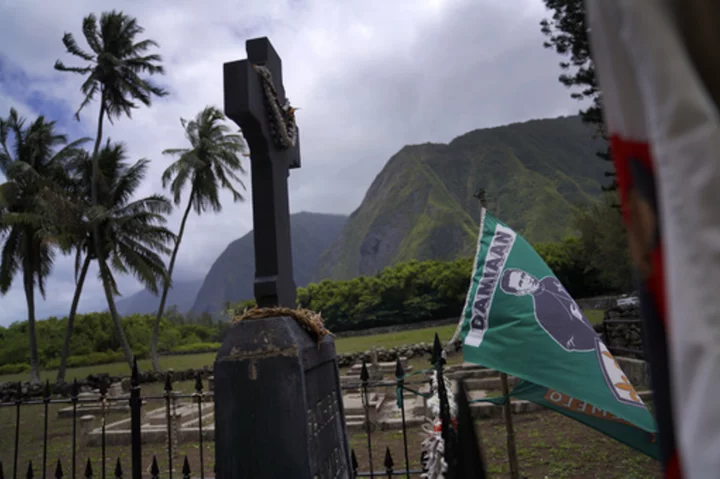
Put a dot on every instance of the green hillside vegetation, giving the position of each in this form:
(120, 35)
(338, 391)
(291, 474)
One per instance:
(421, 205)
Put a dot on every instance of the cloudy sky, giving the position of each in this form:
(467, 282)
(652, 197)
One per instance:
(369, 76)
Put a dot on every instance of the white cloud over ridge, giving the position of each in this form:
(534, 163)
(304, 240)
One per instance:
(369, 76)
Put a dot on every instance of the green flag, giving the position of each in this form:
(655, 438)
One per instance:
(608, 424)
(520, 320)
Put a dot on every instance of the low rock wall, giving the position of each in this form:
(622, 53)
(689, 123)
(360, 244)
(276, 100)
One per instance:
(619, 335)
(622, 335)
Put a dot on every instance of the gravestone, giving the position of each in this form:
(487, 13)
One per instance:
(278, 401)
(376, 373)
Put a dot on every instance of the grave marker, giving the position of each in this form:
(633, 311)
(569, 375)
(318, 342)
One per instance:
(278, 401)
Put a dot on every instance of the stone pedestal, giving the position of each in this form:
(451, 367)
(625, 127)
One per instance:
(278, 404)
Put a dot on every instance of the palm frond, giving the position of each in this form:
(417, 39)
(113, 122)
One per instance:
(60, 66)
(213, 162)
(10, 259)
(71, 45)
(90, 32)
(114, 64)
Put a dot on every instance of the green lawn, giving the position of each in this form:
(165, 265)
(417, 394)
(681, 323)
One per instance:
(343, 345)
(390, 340)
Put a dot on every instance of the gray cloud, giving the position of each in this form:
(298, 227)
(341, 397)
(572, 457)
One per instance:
(369, 77)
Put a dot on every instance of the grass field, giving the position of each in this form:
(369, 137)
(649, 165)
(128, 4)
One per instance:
(196, 361)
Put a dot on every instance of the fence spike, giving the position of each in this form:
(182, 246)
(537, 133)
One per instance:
(103, 386)
(198, 383)
(186, 468)
(364, 376)
(88, 469)
(118, 469)
(154, 469)
(2, 474)
(436, 350)
(399, 371)
(29, 474)
(46, 390)
(168, 382)
(75, 390)
(388, 461)
(58, 470)
(353, 461)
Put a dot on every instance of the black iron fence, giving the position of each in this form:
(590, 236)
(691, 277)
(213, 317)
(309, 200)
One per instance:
(461, 450)
(102, 466)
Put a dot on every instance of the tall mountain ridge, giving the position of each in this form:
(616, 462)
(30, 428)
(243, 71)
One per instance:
(422, 205)
(232, 275)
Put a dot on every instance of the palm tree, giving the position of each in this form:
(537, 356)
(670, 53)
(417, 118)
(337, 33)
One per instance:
(132, 231)
(209, 165)
(114, 65)
(33, 165)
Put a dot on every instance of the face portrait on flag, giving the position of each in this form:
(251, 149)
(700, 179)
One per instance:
(555, 310)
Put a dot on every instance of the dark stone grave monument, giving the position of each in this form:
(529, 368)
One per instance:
(278, 402)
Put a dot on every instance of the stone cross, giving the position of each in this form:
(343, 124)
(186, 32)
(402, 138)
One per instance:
(246, 105)
(278, 400)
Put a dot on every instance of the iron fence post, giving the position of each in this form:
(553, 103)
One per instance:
(364, 377)
(135, 436)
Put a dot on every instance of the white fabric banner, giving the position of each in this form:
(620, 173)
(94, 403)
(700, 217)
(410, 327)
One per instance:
(652, 93)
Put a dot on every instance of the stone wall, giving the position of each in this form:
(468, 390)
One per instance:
(622, 335)
(385, 355)
(398, 327)
(8, 391)
(598, 302)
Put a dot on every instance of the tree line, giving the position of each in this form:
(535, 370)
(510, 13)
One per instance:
(592, 263)
(61, 197)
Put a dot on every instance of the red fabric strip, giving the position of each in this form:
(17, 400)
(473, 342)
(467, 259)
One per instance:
(622, 150)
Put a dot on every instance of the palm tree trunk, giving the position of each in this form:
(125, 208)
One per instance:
(97, 240)
(71, 320)
(29, 285)
(109, 295)
(166, 286)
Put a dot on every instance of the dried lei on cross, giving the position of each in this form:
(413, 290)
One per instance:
(433, 447)
(309, 320)
(282, 116)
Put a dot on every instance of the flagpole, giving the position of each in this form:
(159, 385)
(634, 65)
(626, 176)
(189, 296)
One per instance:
(507, 412)
(507, 405)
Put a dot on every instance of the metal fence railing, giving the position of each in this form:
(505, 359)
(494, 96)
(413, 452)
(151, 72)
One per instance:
(168, 424)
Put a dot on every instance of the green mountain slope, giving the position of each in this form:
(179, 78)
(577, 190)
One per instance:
(421, 205)
(232, 274)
